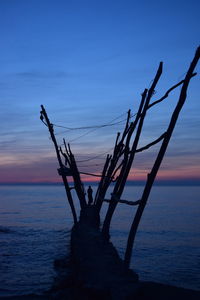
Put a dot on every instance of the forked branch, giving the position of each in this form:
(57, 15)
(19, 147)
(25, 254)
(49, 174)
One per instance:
(151, 144)
(168, 92)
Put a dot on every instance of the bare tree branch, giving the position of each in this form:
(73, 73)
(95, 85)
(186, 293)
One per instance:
(67, 189)
(167, 93)
(117, 169)
(151, 144)
(133, 203)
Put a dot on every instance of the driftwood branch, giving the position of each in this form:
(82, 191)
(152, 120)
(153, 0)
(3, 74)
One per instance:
(111, 164)
(117, 138)
(67, 160)
(101, 187)
(133, 203)
(66, 150)
(120, 184)
(151, 144)
(91, 174)
(168, 92)
(117, 169)
(151, 177)
(79, 187)
(127, 127)
(44, 116)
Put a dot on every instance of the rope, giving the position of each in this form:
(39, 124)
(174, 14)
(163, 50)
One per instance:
(94, 157)
(93, 126)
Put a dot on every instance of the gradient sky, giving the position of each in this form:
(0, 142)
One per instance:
(88, 62)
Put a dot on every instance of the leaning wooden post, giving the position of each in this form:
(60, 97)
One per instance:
(119, 187)
(77, 179)
(156, 166)
(98, 202)
(110, 167)
(67, 189)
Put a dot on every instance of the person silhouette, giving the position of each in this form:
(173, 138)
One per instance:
(90, 197)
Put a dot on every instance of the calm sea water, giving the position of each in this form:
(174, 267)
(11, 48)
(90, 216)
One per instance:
(35, 224)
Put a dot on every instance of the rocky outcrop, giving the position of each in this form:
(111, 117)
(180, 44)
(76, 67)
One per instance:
(97, 267)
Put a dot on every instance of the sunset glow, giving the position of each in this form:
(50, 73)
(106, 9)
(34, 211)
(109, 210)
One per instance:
(88, 64)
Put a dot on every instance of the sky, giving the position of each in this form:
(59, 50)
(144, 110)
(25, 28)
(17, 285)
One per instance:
(88, 62)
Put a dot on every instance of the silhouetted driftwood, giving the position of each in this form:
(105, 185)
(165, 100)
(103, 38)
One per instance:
(45, 119)
(133, 203)
(152, 175)
(79, 187)
(115, 171)
(119, 187)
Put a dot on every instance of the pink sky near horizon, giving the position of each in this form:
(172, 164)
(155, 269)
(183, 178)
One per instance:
(46, 171)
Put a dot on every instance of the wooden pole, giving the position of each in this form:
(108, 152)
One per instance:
(111, 165)
(156, 166)
(67, 189)
(120, 184)
(77, 179)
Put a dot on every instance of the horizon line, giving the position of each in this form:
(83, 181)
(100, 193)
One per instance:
(180, 182)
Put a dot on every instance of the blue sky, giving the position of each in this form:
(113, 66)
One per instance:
(88, 62)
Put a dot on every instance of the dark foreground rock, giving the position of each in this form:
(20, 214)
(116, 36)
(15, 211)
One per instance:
(97, 266)
(146, 291)
(99, 272)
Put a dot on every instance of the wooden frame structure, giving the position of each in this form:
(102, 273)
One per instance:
(118, 165)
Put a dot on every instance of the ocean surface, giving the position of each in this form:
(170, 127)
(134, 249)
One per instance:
(35, 223)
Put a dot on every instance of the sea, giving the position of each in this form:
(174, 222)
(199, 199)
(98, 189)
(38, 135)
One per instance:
(35, 224)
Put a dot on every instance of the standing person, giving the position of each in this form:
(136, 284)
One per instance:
(90, 197)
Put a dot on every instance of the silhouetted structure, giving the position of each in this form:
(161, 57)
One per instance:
(117, 166)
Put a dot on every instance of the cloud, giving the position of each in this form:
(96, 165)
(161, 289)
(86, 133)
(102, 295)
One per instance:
(5, 145)
(42, 75)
